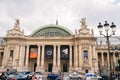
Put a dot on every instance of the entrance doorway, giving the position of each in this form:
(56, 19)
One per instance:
(86, 71)
(65, 69)
(50, 65)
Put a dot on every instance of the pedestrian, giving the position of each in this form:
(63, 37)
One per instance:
(116, 77)
(3, 77)
(34, 77)
(7, 72)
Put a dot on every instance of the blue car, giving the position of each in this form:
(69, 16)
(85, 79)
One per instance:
(52, 76)
(20, 76)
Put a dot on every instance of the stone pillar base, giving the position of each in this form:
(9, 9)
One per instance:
(25, 68)
(2, 69)
(76, 68)
(56, 69)
(71, 69)
(19, 69)
(40, 69)
(92, 70)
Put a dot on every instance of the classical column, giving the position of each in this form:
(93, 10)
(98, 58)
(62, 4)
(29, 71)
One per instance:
(20, 55)
(23, 56)
(4, 56)
(0, 54)
(58, 60)
(80, 56)
(38, 58)
(90, 56)
(16, 55)
(70, 56)
(27, 55)
(54, 57)
(114, 61)
(75, 57)
(96, 59)
(7, 55)
(42, 57)
(102, 54)
(119, 55)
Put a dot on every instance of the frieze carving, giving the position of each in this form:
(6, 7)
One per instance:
(85, 46)
(86, 62)
(9, 63)
(12, 47)
(16, 30)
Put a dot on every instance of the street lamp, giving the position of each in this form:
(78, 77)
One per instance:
(107, 36)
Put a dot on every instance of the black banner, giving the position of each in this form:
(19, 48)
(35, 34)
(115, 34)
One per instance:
(49, 52)
(64, 52)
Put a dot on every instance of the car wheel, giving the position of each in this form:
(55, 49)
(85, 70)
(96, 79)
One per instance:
(70, 78)
(79, 78)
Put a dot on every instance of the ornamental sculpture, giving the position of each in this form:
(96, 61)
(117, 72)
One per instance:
(16, 30)
(83, 21)
(17, 25)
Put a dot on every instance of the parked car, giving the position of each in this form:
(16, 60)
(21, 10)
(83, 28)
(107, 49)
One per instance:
(20, 76)
(12, 75)
(59, 78)
(76, 75)
(52, 76)
(92, 76)
(66, 78)
(38, 75)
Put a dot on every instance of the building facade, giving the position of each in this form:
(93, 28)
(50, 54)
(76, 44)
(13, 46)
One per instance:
(54, 48)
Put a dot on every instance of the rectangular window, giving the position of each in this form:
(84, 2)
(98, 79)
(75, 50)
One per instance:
(86, 54)
(11, 53)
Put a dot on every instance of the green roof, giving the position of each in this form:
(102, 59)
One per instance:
(51, 30)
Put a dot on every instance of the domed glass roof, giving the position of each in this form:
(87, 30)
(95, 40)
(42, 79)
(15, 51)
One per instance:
(51, 30)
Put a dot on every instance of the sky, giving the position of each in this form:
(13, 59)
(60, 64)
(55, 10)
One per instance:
(36, 13)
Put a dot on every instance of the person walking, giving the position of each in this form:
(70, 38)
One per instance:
(34, 77)
(3, 77)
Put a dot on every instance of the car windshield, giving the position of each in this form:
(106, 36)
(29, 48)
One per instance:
(38, 73)
(89, 74)
(95, 75)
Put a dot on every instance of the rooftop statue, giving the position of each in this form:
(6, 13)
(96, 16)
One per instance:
(17, 24)
(83, 21)
(16, 30)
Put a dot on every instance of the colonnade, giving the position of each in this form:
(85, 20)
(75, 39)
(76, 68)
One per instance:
(76, 56)
(104, 59)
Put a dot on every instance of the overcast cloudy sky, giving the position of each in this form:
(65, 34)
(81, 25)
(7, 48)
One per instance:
(36, 13)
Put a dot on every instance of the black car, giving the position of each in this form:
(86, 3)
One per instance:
(52, 76)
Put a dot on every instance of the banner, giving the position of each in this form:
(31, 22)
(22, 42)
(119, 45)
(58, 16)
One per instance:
(49, 52)
(33, 53)
(64, 52)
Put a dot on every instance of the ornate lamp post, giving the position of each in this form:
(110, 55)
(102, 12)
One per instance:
(107, 36)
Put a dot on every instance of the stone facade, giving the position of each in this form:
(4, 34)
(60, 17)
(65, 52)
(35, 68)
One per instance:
(82, 53)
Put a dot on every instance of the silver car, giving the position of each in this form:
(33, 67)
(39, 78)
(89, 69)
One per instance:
(76, 75)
